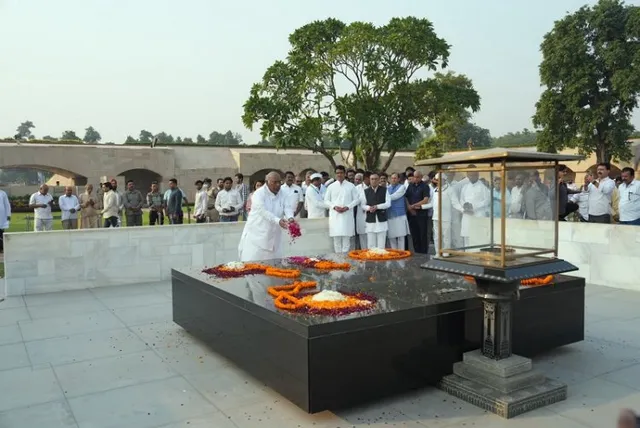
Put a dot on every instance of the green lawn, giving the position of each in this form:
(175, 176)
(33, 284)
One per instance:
(19, 222)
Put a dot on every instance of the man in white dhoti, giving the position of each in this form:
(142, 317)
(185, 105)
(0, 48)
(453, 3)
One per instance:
(5, 216)
(474, 201)
(397, 214)
(362, 181)
(447, 213)
(375, 201)
(341, 197)
(270, 214)
(314, 197)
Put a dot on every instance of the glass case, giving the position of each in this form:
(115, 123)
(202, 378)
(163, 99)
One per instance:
(497, 207)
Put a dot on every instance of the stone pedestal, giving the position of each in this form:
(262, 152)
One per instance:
(494, 379)
(506, 387)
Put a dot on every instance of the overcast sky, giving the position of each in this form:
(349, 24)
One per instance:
(186, 67)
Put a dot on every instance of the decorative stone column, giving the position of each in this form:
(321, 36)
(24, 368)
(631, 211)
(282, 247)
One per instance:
(492, 377)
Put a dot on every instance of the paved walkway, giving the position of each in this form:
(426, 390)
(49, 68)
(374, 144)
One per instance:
(112, 357)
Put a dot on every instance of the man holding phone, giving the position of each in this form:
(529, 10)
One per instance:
(41, 203)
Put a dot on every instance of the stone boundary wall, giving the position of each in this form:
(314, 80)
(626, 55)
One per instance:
(69, 260)
(607, 254)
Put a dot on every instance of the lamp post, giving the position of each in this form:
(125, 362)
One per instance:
(492, 377)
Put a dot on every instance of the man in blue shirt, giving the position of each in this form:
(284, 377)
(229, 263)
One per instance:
(174, 203)
(417, 195)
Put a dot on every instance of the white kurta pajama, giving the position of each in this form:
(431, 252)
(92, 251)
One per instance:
(376, 232)
(361, 218)
(479, 196)
(447, 215)
(314, 202)
(341, 225)
(456, 215)
(398, 225)
(262, 235)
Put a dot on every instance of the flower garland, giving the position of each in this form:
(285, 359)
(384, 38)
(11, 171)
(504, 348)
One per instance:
(238, 269)
(320, 264)
(376, 254)
(531, 282)
(289, 297)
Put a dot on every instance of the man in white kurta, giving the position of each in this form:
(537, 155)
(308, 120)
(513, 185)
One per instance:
(5, 216)
(474, 201)
(341, 198)
(447, 213)
(456, 216)
(270, 214)
(370, 201)
(292, 193)
(69, 207)
(314, 198)
(361, 230)
(515, 204)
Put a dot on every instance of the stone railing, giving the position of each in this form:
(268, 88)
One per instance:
(605, 253)
(40, 262)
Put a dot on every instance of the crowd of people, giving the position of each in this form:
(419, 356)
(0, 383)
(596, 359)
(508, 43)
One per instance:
(365, 209)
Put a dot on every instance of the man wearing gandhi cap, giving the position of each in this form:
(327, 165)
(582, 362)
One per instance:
(314, 197)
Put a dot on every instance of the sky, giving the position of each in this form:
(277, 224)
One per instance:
(186, 67)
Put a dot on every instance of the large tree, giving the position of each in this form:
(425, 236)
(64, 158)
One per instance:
(91, 136)
(591, 71)
(24, 130)
(516, 139)
(70, 135)
(357, 83)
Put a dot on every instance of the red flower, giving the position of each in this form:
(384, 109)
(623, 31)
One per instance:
(294, 231)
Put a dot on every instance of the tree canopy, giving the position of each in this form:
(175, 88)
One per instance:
(91, 136)
(69, 135)
(516, 139)
(357, 83)
(24, 130)
(591, 71)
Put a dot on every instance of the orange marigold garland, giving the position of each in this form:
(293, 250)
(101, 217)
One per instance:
(238, 269)
(320, 264)
(531, 282)
(290, 297)
(376, 254)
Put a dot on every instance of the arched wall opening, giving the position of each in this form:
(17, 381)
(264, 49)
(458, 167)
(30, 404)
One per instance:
(142, 178)
(30, 177)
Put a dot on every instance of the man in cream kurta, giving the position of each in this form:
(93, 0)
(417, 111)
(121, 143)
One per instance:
(447, 213)
(270, 214)
(314, 198)
(474, 201)
(341, 197)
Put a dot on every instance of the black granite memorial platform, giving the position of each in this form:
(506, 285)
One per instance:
(422, 324)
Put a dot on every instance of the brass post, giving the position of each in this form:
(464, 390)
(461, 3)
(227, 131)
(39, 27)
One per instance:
(503, 215)
(440, 210)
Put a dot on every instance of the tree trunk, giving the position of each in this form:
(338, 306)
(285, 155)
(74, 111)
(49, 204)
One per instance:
(387, 164)
(602, 154)
(330, 158)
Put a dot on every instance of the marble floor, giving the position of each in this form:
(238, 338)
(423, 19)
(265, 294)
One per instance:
(111, 357)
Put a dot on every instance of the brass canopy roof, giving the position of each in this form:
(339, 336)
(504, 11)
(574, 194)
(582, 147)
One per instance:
(497, 155)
